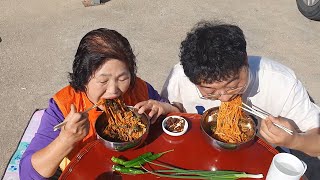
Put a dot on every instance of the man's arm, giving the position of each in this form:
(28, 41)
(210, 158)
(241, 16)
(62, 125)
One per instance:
(307, 142)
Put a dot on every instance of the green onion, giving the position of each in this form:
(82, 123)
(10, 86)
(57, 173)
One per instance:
(197, 172)
(200, 174)
(126, 167)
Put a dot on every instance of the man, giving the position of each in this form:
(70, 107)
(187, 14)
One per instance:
(214, 68)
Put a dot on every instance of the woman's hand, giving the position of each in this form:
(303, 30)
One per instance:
(152, 108)
(77, 127)
(275, 135)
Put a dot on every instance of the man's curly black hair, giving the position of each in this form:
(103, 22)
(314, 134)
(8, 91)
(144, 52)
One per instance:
(95, 48)
(212, 52)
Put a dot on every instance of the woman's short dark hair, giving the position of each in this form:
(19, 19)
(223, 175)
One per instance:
(95, 48)
(213, 51)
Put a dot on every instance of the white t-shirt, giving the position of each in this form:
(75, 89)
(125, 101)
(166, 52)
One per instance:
(272, 87)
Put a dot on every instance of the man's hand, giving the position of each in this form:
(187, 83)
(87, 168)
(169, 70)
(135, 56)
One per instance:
(275, 135)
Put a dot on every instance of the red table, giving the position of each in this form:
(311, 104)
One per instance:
(191, 151)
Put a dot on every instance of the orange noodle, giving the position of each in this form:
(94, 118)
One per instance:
(123, 124)
(229, 115)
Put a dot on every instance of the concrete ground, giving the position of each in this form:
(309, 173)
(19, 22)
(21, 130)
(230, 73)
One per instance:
(39, 40)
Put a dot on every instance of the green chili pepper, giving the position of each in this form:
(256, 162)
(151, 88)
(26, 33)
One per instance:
(118, 160)
(133, 161)
(127, 170)
(143, 160)
(121, 161)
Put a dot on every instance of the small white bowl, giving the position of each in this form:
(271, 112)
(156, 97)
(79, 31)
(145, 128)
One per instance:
(184, 130)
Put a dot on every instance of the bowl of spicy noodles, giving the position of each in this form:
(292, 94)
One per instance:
(120, 128)
(228, 127)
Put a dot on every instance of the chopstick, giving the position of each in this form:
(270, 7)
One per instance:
(264, 115)
(253, 111)
(58, 126)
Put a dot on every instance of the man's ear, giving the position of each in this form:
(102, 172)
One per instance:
(246, 60)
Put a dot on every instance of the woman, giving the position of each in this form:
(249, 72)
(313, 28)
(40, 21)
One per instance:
(104, 67)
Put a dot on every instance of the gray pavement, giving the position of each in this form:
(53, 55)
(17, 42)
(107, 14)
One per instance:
(39, 40)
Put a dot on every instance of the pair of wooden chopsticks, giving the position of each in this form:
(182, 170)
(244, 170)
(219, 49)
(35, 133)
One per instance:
(58, 126)
(262, 114)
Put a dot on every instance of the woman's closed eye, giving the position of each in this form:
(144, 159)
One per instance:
(103, 80)
(125, 78)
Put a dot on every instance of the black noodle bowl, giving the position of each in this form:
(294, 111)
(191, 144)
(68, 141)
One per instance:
(209, 123)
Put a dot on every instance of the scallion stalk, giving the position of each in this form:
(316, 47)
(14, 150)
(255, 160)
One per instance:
(199, 174)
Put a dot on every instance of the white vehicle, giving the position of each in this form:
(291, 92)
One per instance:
(309, 8)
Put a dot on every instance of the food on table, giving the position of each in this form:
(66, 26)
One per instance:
(168, 171)
(123, 124)
(231, 123)
(127, 170)
(174, 124)
(140, 160)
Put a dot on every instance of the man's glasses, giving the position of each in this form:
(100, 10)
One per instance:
(230, 91)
